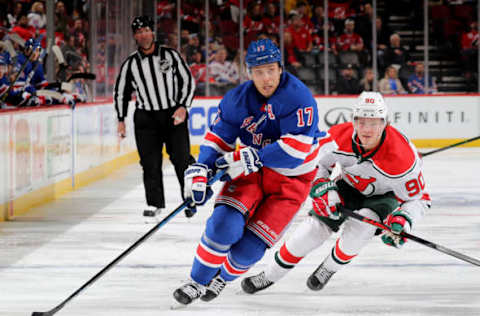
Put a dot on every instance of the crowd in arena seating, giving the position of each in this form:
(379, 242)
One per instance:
(23, 48)
(349, 50)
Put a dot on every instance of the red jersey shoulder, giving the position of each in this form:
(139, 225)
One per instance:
(395, 155)
(342, 134)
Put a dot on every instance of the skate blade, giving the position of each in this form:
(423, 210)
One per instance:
(176, 305)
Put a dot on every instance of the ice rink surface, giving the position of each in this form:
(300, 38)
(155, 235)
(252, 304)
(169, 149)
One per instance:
(50, 252)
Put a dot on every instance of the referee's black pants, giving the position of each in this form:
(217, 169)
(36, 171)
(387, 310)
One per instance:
(153, 129)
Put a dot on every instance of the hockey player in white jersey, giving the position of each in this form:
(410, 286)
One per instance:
(381, 179)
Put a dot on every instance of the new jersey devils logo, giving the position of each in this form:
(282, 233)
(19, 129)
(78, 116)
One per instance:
(363, 185)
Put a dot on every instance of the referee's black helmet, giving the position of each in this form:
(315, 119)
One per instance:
(141, 21)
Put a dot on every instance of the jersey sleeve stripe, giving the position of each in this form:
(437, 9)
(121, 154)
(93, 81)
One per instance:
(292, 151)
(217, 143)
(313, 155)
(296, 144)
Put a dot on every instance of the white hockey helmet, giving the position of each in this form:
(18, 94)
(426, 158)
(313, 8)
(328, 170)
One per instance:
(370, 105)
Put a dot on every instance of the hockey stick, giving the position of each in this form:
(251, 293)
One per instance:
(419, 240)
(449, 146)
(67, 86)
(82, 75)
(54, 310)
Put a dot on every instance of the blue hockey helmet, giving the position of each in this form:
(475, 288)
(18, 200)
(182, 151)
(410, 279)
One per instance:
(262, 52)
(32, 44)
(141, 21)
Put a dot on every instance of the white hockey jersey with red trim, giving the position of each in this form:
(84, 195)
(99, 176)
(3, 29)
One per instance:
(393, 166)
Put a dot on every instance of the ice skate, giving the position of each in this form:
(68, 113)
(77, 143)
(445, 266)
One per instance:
(189, 292)
(152, 211)
(190, 211)
(255, 283)
(214, 288)
(319, 278)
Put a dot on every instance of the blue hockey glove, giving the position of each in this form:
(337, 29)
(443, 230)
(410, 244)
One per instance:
(243, 161)
(398, 222)
(196, 187)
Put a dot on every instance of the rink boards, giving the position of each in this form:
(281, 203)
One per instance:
(47, 152)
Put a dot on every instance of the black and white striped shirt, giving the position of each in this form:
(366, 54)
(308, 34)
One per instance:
(161, 80)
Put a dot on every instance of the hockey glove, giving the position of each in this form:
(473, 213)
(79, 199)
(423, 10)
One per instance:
(243, 161)
(398, 223)
(325, 198)
(196, 187)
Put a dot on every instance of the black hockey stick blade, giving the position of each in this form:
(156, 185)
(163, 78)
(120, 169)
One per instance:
(449, 146)
(419, 240)
(54, 310)
(82, 75)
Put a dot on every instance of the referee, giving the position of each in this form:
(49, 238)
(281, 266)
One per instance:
(164, 88)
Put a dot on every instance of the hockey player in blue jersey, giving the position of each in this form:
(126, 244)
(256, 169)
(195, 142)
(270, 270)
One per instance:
(274, 118)
(33, 76)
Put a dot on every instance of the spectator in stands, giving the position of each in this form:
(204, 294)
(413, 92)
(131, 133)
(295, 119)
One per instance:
(349, 40)
(271, 19)
(383, 34)
(24, 30)
(192, 47)
(339, 11)
(78, 31)
(37, 17)
(61, 18)
(192, 15)
(416, 82)
(224, 72)
(390, 84)
(253, 22)
(363, 23)
(69, 51)
(13, 17)
(395, 55)
(305, 13)
(199, 71)
(317, 34)
(184, 37)
(469, 55)
(383, 40)
(347, 83)
(292, 62)
(318, 22)
(302, 42)
(366, 83)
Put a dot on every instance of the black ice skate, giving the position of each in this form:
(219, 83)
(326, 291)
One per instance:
(190, 211)
(189, 292)
(214, 289)
(319, 278)
(255, 283)
(152, 212)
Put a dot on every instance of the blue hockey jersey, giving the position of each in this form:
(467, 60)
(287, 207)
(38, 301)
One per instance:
(36, 72)
(283, 128)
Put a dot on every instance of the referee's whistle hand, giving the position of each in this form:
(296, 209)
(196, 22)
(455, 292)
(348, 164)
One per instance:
(179, 115)
(121, 130)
